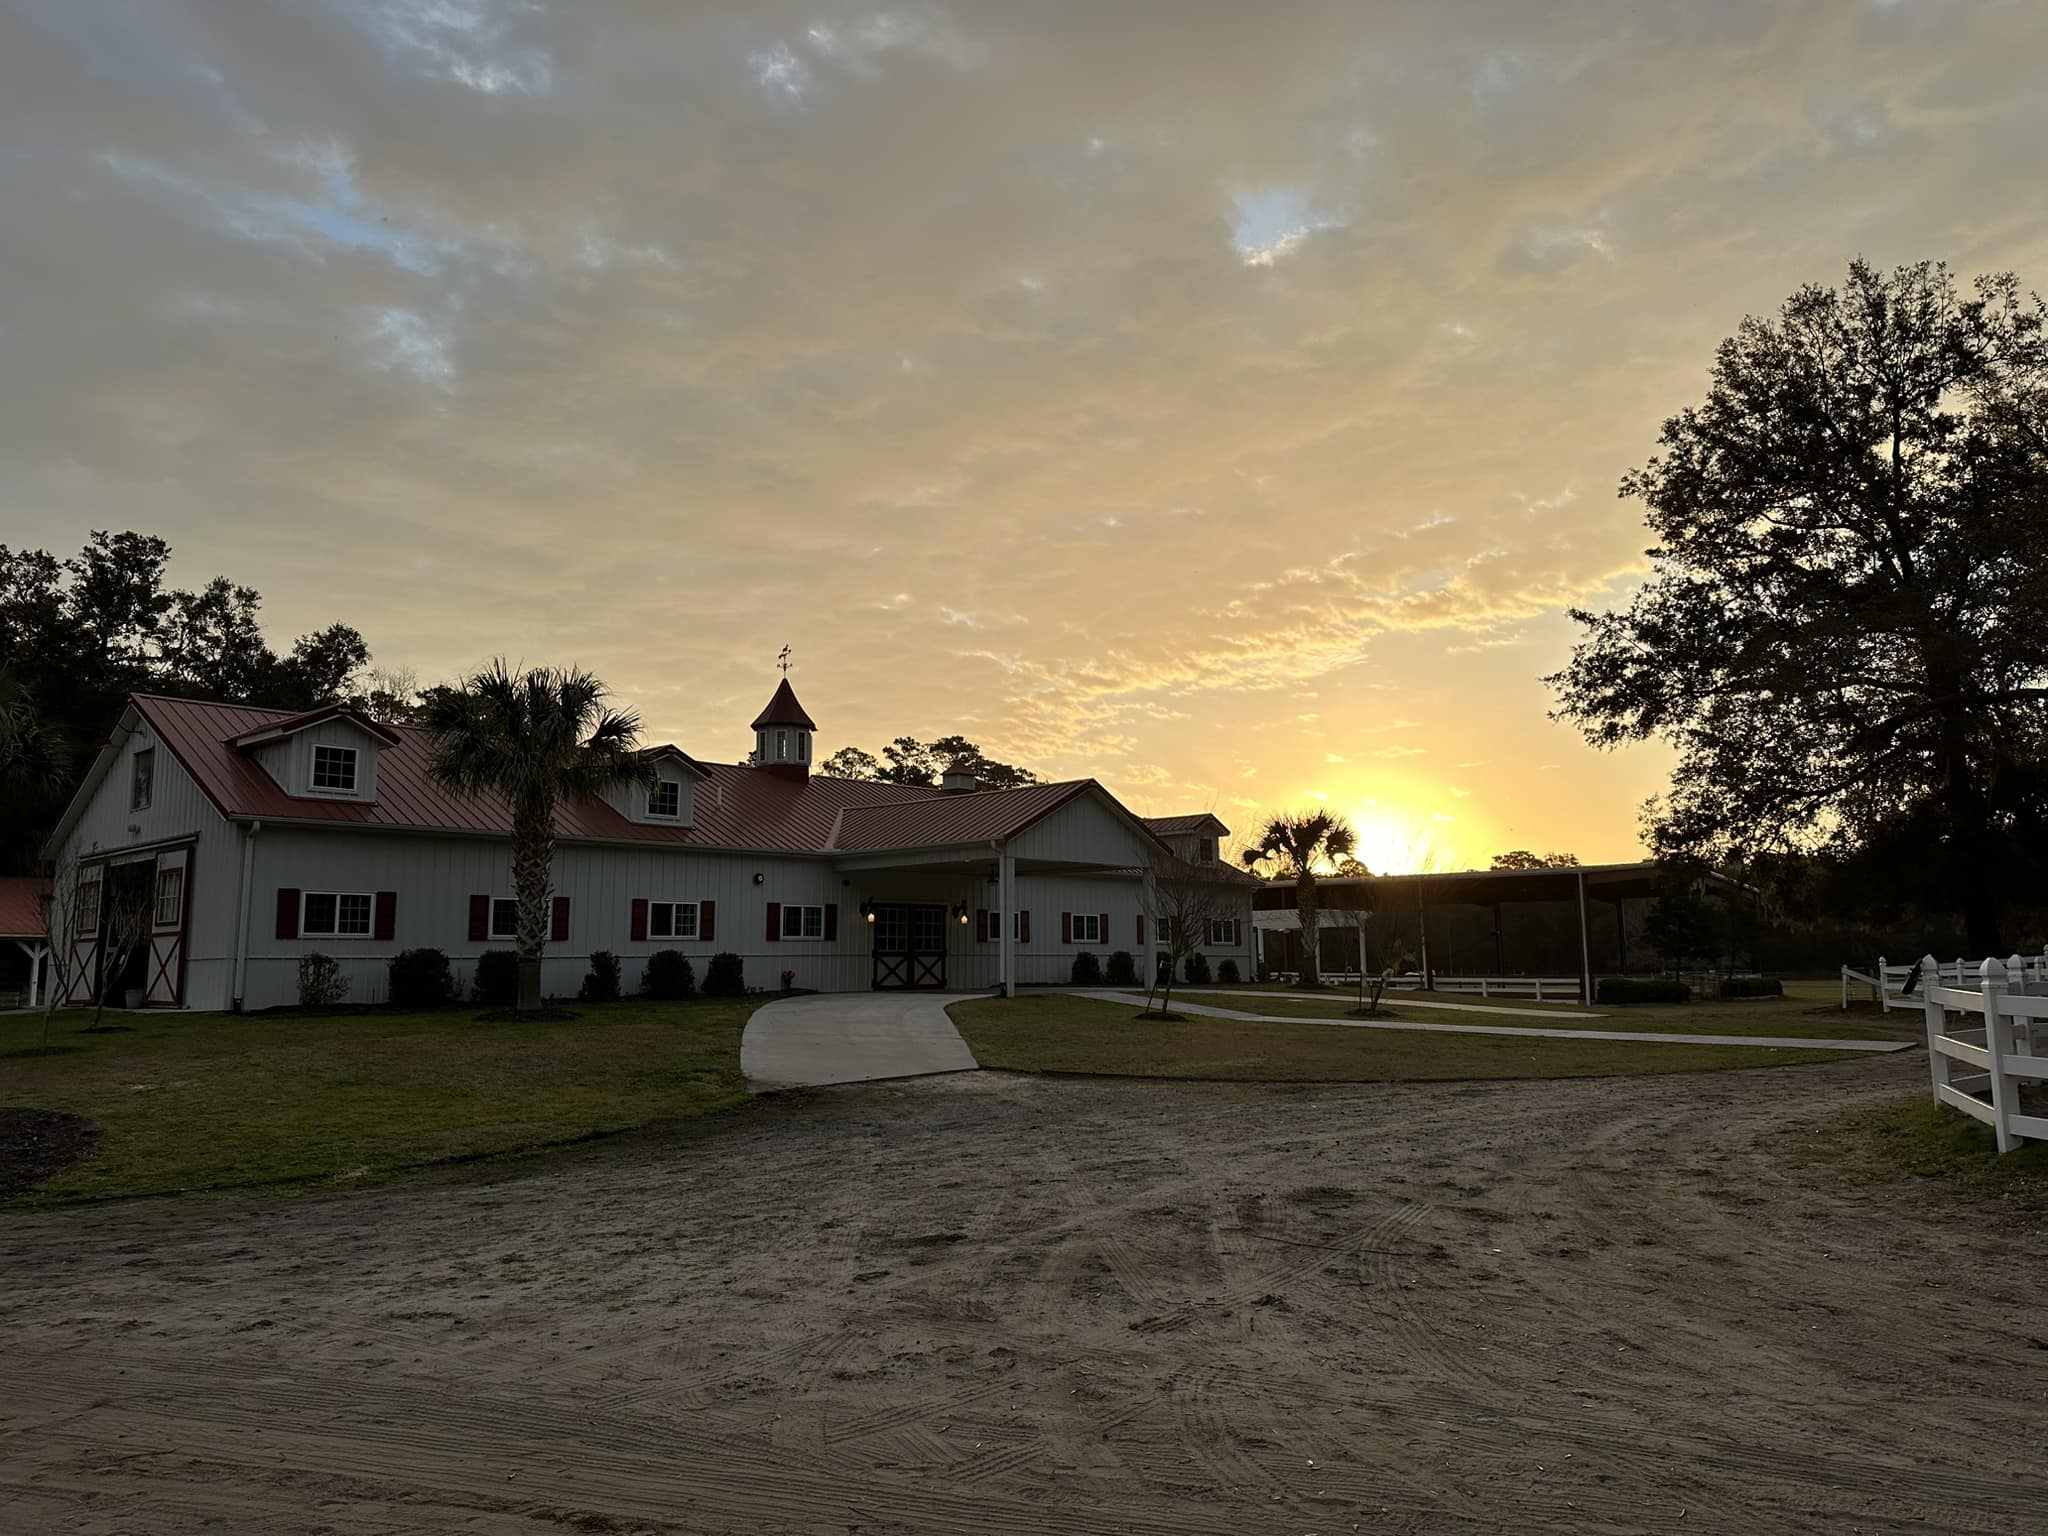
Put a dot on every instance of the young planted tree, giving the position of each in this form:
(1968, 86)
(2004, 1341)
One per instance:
(1185, 899)
(126, 907)
(59, 911)
(1294, 846)
(1844, 632)
(535, 739)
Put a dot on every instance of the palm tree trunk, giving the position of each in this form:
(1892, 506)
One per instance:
(1311, 932)
(533, 866)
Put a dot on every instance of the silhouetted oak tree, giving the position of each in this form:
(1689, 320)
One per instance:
(1845, 628)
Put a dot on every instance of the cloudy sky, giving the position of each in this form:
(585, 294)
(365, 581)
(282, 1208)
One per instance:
(1223, 400)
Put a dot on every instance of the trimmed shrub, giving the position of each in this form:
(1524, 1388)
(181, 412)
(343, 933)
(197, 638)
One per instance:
(321, 984)
(1639, 989)
(1197, 969)
(601, 982)
(1087, 969)
(1122, 970)
(1752, 986)
(725, 976)
(1228, 973)
(496, 983)
(670, 976)
(420, 978)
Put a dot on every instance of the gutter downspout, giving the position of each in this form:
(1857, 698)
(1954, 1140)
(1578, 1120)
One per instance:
(241, 970)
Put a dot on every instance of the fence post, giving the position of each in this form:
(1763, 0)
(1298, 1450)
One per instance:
(1994, 1047)
(1539, 989)
(1884, 987)
(1937, 1025)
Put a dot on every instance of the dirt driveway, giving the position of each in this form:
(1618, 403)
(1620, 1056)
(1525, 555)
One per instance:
(991, 1304)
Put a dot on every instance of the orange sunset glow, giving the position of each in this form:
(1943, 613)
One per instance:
(1232, 413)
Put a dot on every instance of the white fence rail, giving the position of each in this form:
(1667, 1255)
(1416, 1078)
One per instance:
(1999, 1036)
(1888, 982)
(1542, 989)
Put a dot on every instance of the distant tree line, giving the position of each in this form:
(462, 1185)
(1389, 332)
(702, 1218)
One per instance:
(79, 634)
(906, 760)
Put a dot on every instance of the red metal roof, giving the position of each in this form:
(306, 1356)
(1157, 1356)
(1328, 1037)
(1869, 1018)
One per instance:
(783, 709)
(21, 906)
(942, 819)
(311, 717)
(736, 806)
(1168, 826)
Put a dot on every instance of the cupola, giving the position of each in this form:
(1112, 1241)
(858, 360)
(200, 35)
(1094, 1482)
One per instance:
(959, 779)
(782, 735)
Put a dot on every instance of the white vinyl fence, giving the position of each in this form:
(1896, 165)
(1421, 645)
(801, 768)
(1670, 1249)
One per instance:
(1887, 982)
(1542, 989)
(1984, 1042)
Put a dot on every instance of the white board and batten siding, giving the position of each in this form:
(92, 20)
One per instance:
(178, 813)
(434, 878)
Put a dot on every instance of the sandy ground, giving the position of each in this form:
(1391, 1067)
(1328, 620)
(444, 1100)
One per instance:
(992, 1304)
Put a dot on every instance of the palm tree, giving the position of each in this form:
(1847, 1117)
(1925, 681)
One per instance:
(536, 739)
(1296, 843)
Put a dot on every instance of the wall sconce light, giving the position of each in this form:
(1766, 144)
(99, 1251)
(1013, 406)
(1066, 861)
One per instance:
(867, 910)
(760, 879)
(960, 911)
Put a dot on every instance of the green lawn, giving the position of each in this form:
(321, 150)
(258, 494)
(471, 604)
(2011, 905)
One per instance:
(1049, 1032)
(1759, 1016)
(208, 1101)
(1915, 1138)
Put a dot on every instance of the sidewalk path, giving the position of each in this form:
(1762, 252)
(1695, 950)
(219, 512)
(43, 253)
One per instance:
(1779, 1042)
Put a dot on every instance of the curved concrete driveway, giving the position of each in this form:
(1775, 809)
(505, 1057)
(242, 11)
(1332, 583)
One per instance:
(851, 1037)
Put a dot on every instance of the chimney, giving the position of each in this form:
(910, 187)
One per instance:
(958, 779)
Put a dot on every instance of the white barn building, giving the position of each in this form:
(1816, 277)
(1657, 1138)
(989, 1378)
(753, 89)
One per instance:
(258, 836)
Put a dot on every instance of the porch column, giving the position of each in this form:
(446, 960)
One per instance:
(1006, 899)
(35, 953)
(1585, 948)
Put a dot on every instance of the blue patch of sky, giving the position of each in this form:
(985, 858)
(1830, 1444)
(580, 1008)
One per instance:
(1269, 221)
(341, 219)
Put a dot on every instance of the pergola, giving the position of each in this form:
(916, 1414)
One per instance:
(1341, 896)
(23, 924)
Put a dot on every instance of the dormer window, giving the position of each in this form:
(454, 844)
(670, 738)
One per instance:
(334, 770)
(665, 799)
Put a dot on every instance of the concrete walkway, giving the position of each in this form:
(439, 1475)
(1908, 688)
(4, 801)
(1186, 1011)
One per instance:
(851, 1037)
(1403, 1000)
(1781, 1042)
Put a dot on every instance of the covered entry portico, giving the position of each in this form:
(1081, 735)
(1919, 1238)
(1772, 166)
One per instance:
(959, 913)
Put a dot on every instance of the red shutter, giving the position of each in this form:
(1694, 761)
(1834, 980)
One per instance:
(287, 912)
(1104, 929)
(1024, 926)
(831, 921)
(479, 919)
(558, 923)
(707, 920)
(981, 925)
(1141, 930)
(387, 915)
(1066, 927)
(774, 921)
(639, 920)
